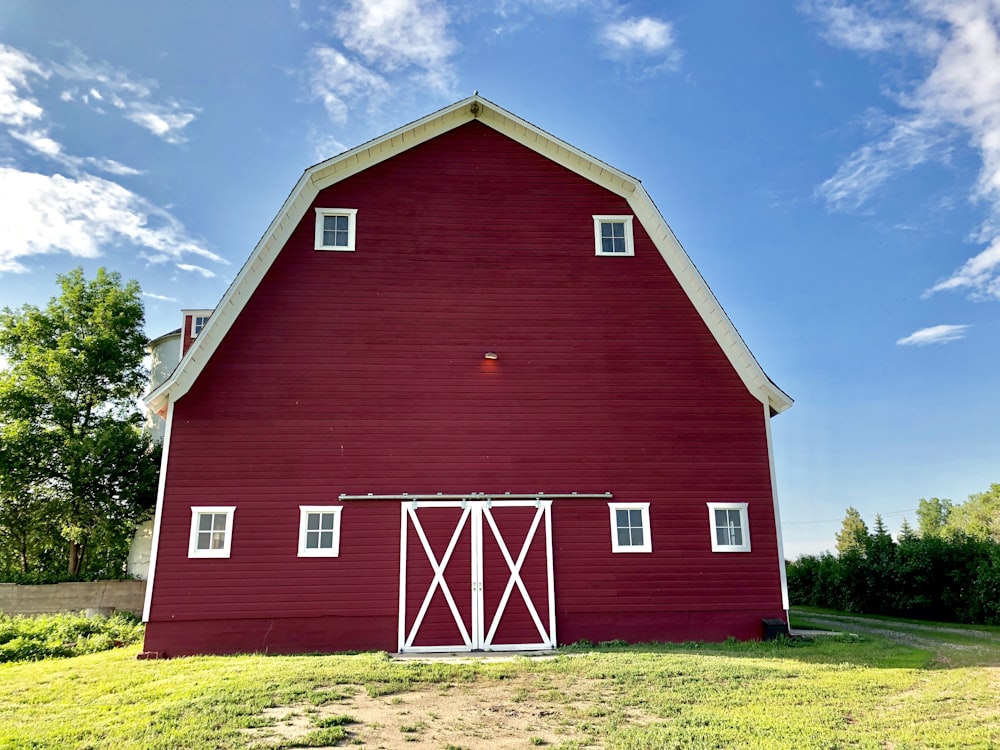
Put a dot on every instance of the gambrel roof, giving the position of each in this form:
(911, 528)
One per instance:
(349, 163)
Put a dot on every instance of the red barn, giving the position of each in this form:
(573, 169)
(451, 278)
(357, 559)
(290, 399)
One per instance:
(467, 393)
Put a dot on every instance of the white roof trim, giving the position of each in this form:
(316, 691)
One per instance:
(351, 162)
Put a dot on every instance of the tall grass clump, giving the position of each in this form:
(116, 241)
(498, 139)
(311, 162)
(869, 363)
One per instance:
(47, 636)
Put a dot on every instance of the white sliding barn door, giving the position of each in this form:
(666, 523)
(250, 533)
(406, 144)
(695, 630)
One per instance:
(476, 575)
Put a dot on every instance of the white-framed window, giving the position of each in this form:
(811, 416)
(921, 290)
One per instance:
(211, 531)
(730, 527)
(198, 322)
(319, 530)
(613, 235)
(335, 228)
(630, 527)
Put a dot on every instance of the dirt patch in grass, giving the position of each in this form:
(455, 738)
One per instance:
(510, 713)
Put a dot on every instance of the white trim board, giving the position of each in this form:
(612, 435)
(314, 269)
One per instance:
(157, 518)
(487, 496)
(777, 514)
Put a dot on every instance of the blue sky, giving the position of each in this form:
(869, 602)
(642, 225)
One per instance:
(832, 168)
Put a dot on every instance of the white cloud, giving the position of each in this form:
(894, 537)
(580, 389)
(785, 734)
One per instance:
(622, 37)
(400, 35)
(96, 75)
(77, 212)
(110, 166)
(166, 122)
(337, 81)
(190, 268)
(507, 8)
(133, 97)
(642, 38)
(385, 45)
(854, 27)
(648, 36)
(908, 143)
(15, 67)
(549, 5)
(159, 297)
(934, 335)
(979, 275)
(959, 43)
(45, 215)
(38, 140)
(325, 145)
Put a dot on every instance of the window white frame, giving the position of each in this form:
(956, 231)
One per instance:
(307, 511)
(323, 213)
(647, 539)
(199, 512)
(731, 528)
(600, 220)
(191, 319)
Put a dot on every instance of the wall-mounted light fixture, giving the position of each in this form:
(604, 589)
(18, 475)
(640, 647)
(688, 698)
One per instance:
(490, 355)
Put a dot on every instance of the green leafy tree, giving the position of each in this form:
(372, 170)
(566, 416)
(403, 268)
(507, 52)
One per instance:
(979, 516)
(73, 453)
(932, 516)
(853, 533)
(29, 534)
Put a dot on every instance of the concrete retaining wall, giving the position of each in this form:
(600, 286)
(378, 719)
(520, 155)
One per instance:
(103, 597)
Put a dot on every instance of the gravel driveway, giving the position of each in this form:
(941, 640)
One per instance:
(936, 638)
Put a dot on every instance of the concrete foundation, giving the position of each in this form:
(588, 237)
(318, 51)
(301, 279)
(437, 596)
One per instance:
(97, 597)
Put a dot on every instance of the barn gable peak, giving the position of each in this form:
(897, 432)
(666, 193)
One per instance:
(474, 108)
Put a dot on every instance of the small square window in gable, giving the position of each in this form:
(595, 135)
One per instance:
(335, 229)
(613, 235)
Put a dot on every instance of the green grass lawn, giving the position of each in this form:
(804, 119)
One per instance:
(852, 692)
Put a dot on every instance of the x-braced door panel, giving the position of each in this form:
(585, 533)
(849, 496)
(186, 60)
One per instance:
(476, 574)
(435, 576)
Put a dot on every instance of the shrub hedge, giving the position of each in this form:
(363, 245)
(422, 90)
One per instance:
(45, 636)
(41, 577)
(955, 579)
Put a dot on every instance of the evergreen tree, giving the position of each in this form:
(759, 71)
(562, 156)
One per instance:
(853, 533)
(906, 532)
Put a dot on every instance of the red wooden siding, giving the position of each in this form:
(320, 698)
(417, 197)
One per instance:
(364, 372)
(186, 338)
